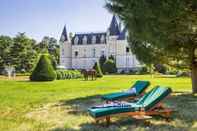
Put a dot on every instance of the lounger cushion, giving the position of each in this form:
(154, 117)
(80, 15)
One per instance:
(154, 96)
(139, 86)
(105, 111)
(117, 95)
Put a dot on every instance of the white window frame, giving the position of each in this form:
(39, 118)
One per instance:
(76, 40)
(94, 39)
(85, 40)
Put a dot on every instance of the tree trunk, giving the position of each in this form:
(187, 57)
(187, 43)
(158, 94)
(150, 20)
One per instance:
(194, 77)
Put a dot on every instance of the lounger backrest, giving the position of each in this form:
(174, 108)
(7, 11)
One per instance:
(154, 96)
(140, 86)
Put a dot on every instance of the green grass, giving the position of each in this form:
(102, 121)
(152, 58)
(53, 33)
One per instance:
(61, 105)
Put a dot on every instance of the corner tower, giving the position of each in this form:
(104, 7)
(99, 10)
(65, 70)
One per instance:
(65, 50)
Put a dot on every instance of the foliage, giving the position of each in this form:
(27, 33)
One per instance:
(160, 68)
(102, 60)
(22, 52)
(161, 30)
(97, 67)
(111, 57)
(49, 45)
(68, 74)
(44, 70)
(5, 43)
(143, 70)
(110, 66)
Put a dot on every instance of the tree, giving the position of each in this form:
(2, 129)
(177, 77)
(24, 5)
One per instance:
(44, 70)
(166, 28)
(5, 43)
(110, 66)
(102, 60)
(111, 57)
(49, 45)
(22, 55)
(97, 67)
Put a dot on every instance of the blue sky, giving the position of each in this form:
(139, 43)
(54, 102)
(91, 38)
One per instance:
(40, 18)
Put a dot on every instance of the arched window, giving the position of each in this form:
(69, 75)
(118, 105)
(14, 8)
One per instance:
(76, 40)
(102, 39)
(85, 40)
(93, 39)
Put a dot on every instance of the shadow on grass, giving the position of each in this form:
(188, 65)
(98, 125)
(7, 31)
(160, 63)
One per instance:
(183, 119)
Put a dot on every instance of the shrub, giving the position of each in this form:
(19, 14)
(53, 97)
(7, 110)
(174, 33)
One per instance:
(160, 68)
(68, 74)
(102, 60)
(59, 75)
(111, 57)
(97, 67)
(110, 66)
(44, 70)
(143, 70)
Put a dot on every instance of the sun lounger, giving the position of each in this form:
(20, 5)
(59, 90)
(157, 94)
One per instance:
(136, 90)
(148, 105)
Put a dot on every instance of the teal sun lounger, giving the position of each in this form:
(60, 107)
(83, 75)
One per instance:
(145, 106)
(139, 87)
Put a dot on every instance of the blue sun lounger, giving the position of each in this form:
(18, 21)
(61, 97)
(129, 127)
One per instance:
(139, 87)
(148, 105)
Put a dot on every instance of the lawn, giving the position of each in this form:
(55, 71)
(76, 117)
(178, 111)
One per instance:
(61, 105)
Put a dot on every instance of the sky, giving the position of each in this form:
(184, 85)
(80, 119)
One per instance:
(38, 18)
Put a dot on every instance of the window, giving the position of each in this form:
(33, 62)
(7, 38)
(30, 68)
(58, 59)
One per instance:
(127, 49)
(62, 51)
(84, 52)
(94, 52)
(76, 53)
(94, 39)
(85, 40)
(102, 39)
(76, 40)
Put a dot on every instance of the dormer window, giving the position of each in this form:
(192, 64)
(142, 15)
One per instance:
(85, 40)
(102, 39)
(94, 39)
(76, 40)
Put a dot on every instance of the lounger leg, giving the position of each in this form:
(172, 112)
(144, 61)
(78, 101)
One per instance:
(97, 121)
(108, 120)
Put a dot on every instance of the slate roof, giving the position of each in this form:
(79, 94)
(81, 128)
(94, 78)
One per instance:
(122, 35)
(64, 36)
(114, 30)
(89, 37)
(114, 27)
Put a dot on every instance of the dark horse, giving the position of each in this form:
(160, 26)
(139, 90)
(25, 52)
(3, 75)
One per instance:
(87, 73)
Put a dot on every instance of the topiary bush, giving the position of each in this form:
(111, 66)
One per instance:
(97, 67)
(109, 66)
(44, 70)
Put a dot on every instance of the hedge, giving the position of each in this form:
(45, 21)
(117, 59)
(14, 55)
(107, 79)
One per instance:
(68, 74)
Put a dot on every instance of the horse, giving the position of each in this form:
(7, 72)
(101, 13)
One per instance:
(87, 73)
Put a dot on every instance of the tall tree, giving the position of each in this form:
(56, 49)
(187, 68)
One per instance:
(49, 45)
(22, 54)
(167, 27)
(5, 44)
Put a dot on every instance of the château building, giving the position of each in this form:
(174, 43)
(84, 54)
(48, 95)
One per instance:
(82, 50)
